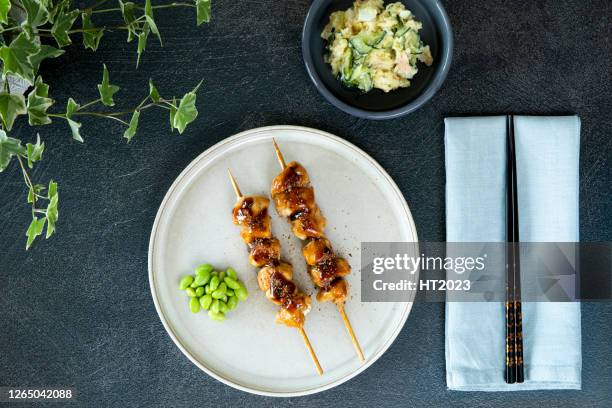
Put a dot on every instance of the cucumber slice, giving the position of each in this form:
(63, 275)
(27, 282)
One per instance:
(360, 78)
(372, 38)
(359, 45)
(347, 64)
(401, 31)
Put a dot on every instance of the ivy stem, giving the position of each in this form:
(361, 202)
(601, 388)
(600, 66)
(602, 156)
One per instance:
(109, 10)
(90, 103)
(28, 182)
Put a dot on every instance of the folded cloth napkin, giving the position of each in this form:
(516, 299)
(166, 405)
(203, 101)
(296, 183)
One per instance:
(547, 150)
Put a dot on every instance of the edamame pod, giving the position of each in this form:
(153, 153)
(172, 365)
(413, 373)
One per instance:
(190, 292)
(214, 283)
(185, 282)
(206, 301)
(231, 283)
(194, 305)
(231, 273)
(199, 291)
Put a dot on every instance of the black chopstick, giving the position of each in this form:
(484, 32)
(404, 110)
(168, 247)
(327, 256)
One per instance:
(514, 322)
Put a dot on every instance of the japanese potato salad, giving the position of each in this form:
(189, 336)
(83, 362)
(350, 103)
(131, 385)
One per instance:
(375, 46)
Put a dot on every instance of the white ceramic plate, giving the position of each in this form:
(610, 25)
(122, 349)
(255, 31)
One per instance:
(193, 225)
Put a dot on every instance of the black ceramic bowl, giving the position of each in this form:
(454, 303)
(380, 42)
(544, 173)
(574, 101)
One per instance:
(376, 104)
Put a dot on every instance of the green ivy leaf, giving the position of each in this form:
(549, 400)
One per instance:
(131, 130)
(9, 147)
(153, 93)
(36, 189)
(16, 57)
(75, 126)
(127, 11)
(37, 15)
(63, 23)
(186, 112)
(5, 6)
(34, 151)
(38, 103)
(71, 107)
(106, 89)
(202, 11)
(34, 230)
(148, 13)
(91, 39)
(52, 211)
(142, 42)
(11, 106)
(44, 52)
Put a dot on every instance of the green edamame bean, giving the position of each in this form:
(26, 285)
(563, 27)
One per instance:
(221, 275)
(199, 291)
(185, 282)
(224, 298)
(201, 279)
(215, 306)
(231, 283)
(241, 293)
(229, 293)
(190, 292)
(231, 273)
(214, 283)
(194, 305)
(208, 290)
(204, 269)
(220, 292)
(206, 301)
(216, 316)
(223, 308)
(232, 303)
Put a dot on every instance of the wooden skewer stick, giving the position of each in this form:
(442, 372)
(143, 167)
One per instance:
(234, 184)
(349, 328)
(315, 360)
(311, 351)
(279, 155)
(345, 319)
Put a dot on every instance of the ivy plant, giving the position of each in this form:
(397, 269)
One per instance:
(32, 31)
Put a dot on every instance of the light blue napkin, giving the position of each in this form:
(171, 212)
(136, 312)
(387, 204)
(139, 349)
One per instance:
(547, 150)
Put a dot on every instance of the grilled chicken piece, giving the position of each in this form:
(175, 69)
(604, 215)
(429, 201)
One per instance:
(292, 176)
(336, 292)
(317, 249)
(327, 270)
(307, 224)
(264, 251)
(264, 277)
(294, 315)
(252, 214)
(289, 202)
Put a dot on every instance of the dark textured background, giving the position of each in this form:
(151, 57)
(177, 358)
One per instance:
(76, 310)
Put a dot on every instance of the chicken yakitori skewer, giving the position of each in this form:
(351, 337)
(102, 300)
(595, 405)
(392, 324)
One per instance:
(294, 199)
(275, 276)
